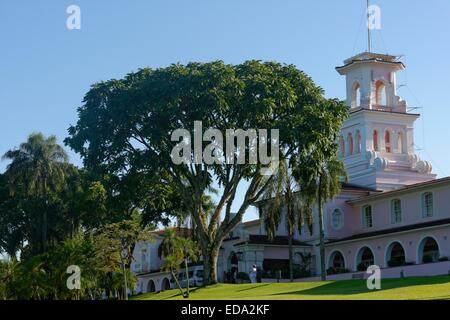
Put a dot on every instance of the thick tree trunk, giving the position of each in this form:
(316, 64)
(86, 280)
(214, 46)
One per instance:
(321, 238)
(210, 257)
(291, 260)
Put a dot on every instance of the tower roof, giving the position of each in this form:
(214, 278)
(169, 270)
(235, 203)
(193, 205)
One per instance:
(370, 57)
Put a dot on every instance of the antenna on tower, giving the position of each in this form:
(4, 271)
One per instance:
(369, 33)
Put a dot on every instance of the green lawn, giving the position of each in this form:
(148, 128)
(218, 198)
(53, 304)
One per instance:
(392, 289)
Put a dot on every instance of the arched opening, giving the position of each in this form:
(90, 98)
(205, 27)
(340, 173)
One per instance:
(356, 95)
(395, 255)
(151, 286)
(233, 267)
(342, 146)
(337, 262)
(387, 141)
(380, 94)
(428, 251)
(364, 259)
(375, 140)
(350, 144)
(358, 142)
(165, 285)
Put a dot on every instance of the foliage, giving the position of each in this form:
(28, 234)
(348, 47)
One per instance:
(243, 276)
(36, 172)
(427, 258)
(396, 263)
(176, 250)
(44, 276)
(320, 182)
(114, 244)
(362, 266)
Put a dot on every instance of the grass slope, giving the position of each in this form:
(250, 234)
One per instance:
(424, 288)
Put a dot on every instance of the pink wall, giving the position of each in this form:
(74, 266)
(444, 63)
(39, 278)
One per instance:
(381, 212)
(379, 246)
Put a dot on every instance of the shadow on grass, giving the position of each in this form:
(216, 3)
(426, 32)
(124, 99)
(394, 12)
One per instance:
(254, 287)
(158, 294)
(352, 287)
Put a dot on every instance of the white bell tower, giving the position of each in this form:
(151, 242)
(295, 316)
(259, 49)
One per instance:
(377, 140)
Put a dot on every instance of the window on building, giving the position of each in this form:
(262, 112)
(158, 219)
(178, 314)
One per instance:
(350, 144)
(358, 142)
(356, 95)
(395, 255)
(428, 251)
(387, 141)
(396, 211)
(365, 259)
(375, 140)
(399, 143)
(380, 94)
(427, 205)
(337, 219)
(342, 146)
(367, 220)
(337, 261)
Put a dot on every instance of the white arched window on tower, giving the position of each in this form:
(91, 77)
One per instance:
(350, 143)
(380, 94)
(375, 140)
(356, 95)
(399, 142)
(358, 142)
(387, 141)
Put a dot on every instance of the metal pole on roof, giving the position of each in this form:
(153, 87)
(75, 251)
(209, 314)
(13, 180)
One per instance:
(369, 33)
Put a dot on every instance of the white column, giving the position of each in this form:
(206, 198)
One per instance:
(381, 142)
(394, 141)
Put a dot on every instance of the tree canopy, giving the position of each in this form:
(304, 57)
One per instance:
(125, 126)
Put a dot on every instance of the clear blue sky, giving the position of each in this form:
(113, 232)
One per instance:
(45, 69)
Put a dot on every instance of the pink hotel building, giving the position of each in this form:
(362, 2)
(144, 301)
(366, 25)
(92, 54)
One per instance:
(393, 213)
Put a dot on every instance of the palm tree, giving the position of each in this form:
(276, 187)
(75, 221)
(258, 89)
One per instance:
(282, 193)
(37, 167)
(320, 186)
(176, 250)
(168, 243)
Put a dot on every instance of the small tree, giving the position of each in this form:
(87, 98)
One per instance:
(176, 251)
(115, 244)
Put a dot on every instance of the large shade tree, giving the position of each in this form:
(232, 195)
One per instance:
(125, 128)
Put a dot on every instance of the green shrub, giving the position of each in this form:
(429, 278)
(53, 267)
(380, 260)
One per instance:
(427, 258)
(243, 276)
(396, 263)
(361, 267)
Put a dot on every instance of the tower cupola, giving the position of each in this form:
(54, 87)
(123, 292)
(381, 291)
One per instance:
(377, 140)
